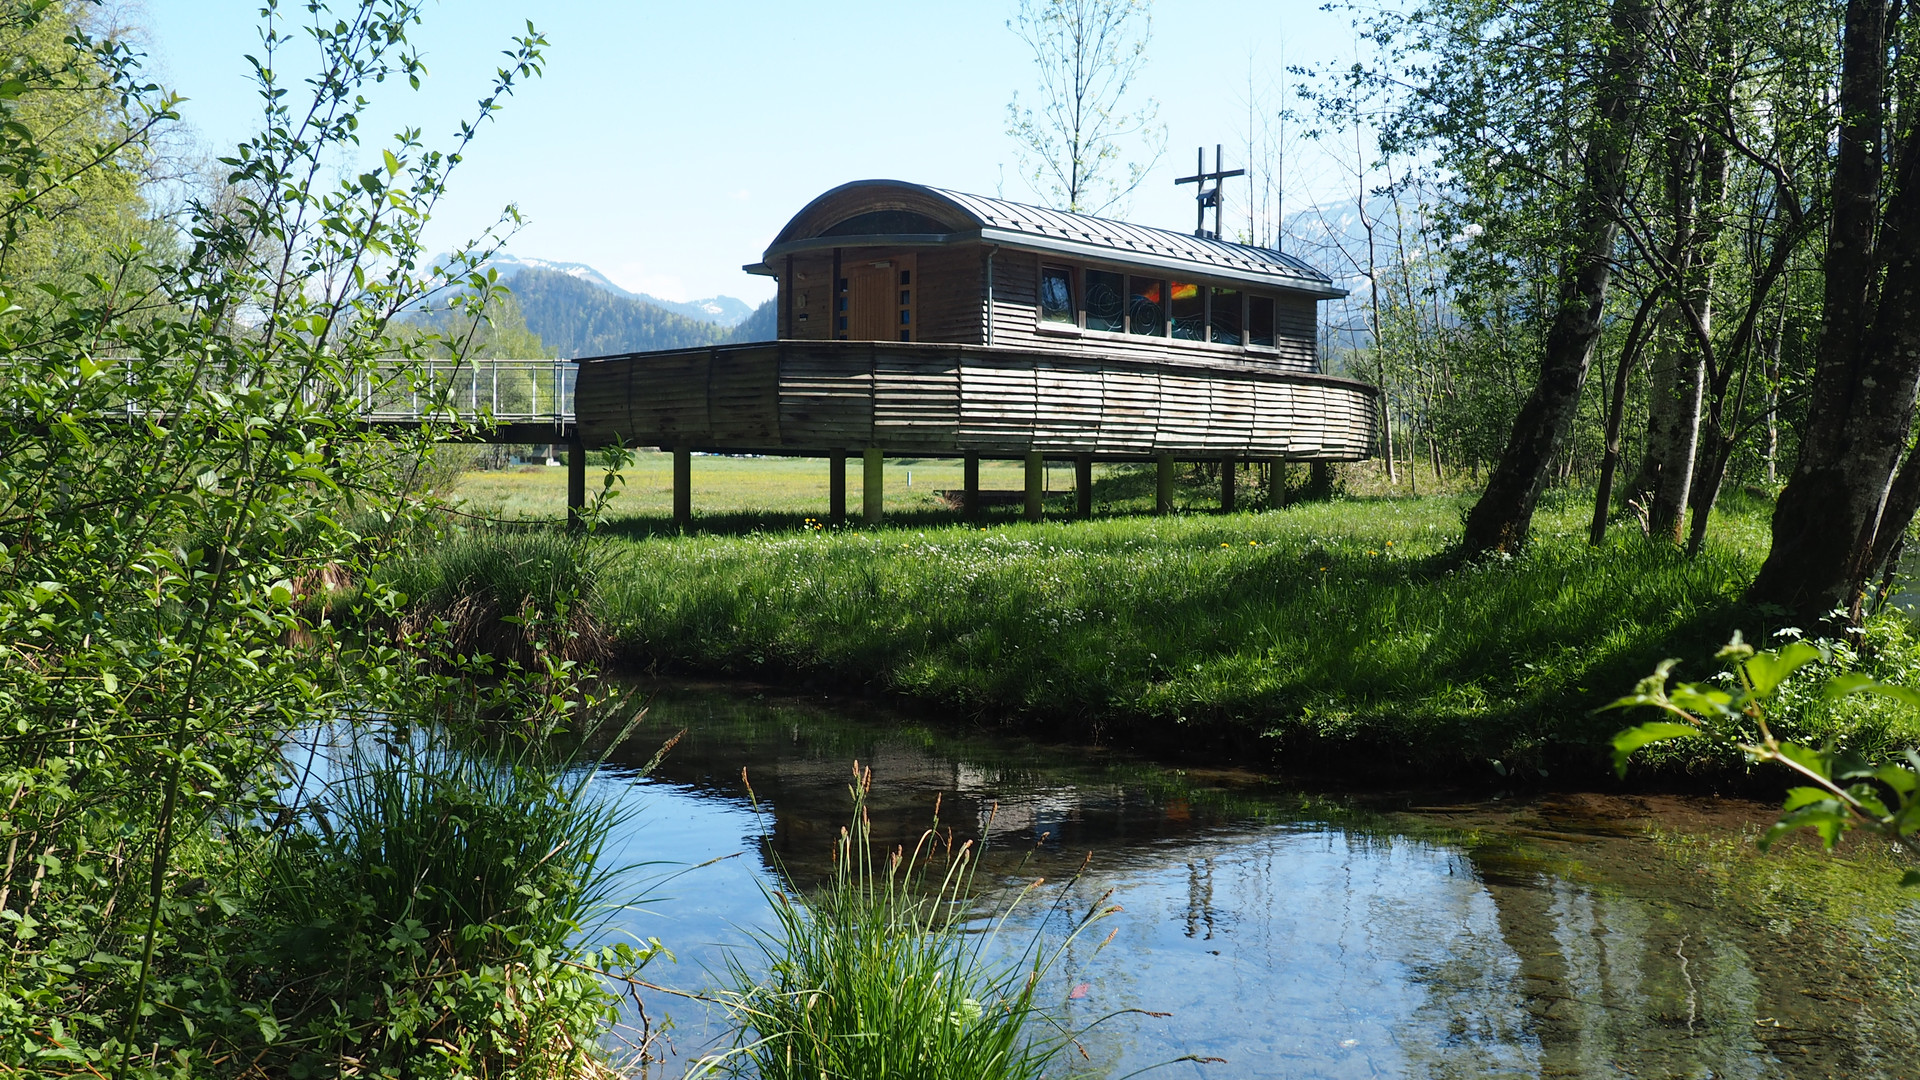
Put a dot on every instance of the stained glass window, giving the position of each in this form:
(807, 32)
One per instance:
(1106, 301)
(1056, 296)
(1147, 306)
(1189, 310)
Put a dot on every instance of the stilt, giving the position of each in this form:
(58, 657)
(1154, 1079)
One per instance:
(1228, 482)
(1083, 485)
(872, 486)
(1036, 484)
(1276, 484)
(970, 486)
(682, 487)
(576, 483)
(1163, 485)
(1320, 481)
(836, 487)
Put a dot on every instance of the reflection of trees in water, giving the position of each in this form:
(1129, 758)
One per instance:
(1670, 985)
(1297, 947)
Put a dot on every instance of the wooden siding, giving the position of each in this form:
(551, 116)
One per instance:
(950, 282)
(814, 397)
(949, 306)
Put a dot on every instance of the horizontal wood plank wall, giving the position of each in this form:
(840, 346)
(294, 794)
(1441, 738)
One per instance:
(600, 402)
(939, 400)
(1071, 399)
(826, 397)
(670, 397)
(1230, 415)
(1296, 332)
(745, 396)
(948, 284)
(998, 402)
(916, 400)
(1130, 410)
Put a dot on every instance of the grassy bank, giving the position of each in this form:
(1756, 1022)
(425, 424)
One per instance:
(1332, 635)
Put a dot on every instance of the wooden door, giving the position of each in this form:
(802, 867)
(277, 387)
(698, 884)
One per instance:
(879, 299)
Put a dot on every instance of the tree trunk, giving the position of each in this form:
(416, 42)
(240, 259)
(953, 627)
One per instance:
(1671, 448)
(1832, 520)
(1616, 410)
(1499, 521)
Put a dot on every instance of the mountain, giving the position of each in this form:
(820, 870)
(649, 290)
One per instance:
(724, 310)
(762, 325)
(575, 317)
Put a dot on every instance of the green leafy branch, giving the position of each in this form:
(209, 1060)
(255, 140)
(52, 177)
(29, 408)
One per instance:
(1840, 792)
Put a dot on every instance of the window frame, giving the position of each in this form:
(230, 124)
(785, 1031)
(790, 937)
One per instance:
(1076, 275)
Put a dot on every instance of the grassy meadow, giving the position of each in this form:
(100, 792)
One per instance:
(1335, 635)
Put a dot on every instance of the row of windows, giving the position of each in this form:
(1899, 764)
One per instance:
(1154, 307)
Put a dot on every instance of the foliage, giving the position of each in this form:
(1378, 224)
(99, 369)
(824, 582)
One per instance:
(1842, 792)
(419, 914)
(182, 467)
(1086, 55)
(762, 325)
(75, 148)
(875, 976)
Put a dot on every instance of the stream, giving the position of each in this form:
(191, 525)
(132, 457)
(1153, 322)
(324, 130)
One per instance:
(1287, 933)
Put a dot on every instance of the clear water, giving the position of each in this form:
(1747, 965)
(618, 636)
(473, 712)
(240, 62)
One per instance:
(1293, 935)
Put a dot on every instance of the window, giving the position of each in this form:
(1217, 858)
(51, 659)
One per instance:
(1226, 317)
(1056, 296)
(906, 277)
(1106, 301)
(906, 297)
(1260, 320)
(905, 316)
(1147, 306)
(1189, 310)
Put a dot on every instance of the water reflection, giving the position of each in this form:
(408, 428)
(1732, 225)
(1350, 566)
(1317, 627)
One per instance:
(1289, 935)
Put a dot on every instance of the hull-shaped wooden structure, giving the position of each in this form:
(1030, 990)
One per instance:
(908, 398)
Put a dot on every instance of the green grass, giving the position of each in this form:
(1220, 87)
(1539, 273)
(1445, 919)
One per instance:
(786, 487)
(1333, 635)
(877, 976)
(1331, 632)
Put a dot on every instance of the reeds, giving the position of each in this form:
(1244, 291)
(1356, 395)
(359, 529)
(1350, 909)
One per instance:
(509, 594)
(427, 907)
(880, 974)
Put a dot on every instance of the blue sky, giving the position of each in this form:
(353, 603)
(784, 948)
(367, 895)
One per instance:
(667, 143)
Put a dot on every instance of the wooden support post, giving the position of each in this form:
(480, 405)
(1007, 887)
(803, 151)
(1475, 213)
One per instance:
(872, 486)
(836, 487)
(1227, 484)
(1083, 485)
(1276, 484)
(1036, 484)
(576, 483)
(1320, 481)
(682, 487)
(1163, 485)
(970, 486)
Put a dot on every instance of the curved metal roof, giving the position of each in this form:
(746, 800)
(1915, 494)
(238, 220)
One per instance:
(1036, 228)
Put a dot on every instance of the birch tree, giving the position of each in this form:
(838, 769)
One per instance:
(1083, 146)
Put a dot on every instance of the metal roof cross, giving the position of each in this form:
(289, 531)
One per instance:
(1204, 196)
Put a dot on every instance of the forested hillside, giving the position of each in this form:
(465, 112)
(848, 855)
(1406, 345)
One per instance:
(574, 318)
(762, 325)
